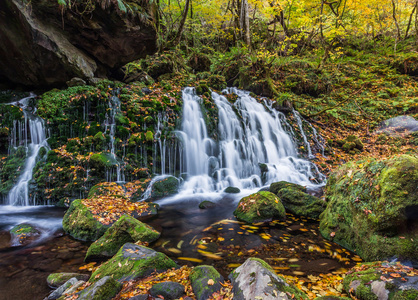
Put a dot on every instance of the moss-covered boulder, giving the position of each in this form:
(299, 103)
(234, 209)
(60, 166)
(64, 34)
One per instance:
(168, 289)
(133, 261)
(104, 289)
(275, 187)
(255, 279)
(165, 187)
(300, 203)
(382, 280)
(23, 234)
(125, 230)
(79, 222)
(200, 276)
(373, 207)
(260, 207)
(55, 280)
(232, 190)
(206, 204)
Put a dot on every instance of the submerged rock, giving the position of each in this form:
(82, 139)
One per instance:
(373, 207)
(382, 281)
(23, 234)
(206, 204)
(199, 278)
(104, 289)
(79, 222)
(255, 279)
(126, 230)
(260, 207)
(168, 289)
(133, 261)
(55, 280)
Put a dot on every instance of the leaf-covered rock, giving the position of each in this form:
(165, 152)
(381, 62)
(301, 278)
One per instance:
(255, 279)
(260, 207)
(104, 289)
(275, 187)
(373, 207)
(205, 281)
(133, 261)
(126, 230)
(165, 187)
(23, 234)
(55, 280)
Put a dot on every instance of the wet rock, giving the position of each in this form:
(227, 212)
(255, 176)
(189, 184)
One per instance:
(75, 81)
(55, 280)
(382, 281)
(401, 124)
(260, 207)
(373, 208)
(206, 204)
(104, 289)
(133, 261)
(300, 203)
(126, 230)
(72, 289)
(139, 297)
(165, 187)
(36, 49)
(255, 279)
(332, 298)
(200, 277)
(60, 290)
(169, 290)
(79, 222)
(277, 186)
(232, 190)
(23, 234)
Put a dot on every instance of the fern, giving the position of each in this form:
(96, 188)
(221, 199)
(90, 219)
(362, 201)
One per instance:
(62, 2)
(121, 6)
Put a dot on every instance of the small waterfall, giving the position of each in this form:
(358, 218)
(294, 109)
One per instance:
(250, 135)
(19, 194)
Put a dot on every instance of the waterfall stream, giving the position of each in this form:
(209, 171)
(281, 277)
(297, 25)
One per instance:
(34, 128)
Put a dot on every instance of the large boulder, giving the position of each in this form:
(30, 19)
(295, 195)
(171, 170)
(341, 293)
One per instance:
(255, 279)
(79, 222)
(275, 187)
(45, 43)
(126, 230)
(165, 187)
(104, 289)
(373, 207)
(260, 207)
(382, 281)
(300, 203)
(133, 261)
(205, 281)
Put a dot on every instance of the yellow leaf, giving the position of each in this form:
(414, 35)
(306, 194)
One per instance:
(211, 282)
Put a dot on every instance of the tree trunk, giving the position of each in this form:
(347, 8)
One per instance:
(394, 19)
(245, 22)
(182, 22)
(410, 20)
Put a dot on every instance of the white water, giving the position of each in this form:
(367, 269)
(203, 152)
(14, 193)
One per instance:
(249, 134)
(19, 194)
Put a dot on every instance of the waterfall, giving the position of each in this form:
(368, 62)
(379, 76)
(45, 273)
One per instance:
(19, 194)
(250, 135)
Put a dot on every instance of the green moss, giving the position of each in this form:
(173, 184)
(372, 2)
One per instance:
(126, 230)
(300, 203)
(79, 222)
(232, 190)
(260, 207)
(57, 279)
(410, 294)
(149, 136)
(206, 204)
(165, 187)
(199, 278)
(105, 289)
(133, 261)
(277, 186)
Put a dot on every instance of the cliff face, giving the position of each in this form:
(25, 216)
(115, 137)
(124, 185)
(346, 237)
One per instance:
(43, 43)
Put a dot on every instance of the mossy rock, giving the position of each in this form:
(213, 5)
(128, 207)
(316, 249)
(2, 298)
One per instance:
(199, 278)
(79, 222)
(206, 204)
(125, 230)
(169, 290)
(255, 279)
(23, 234)
(55, 280)
(260, 207)
(104, 289)
(381, 280)
(332, 298)
(373, 207)
(133, 261)
(165, 187)
(232, 190)
(275, 187)
(300, 203)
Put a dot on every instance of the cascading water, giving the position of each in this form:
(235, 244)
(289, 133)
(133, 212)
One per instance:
(252, 150)
(19, 194)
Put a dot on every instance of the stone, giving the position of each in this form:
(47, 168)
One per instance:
(79, 222)
(44, 43)
(277, 186)
(55, 280)
(260, 207)
(165, 187)
(72, 289)
(373, 207)
(23, 234)
(206, 204)
(75, 81)
(104, 289)
(400, 124)
(125, 230)
(232, 190)
(255, 279)
(60, 290)
(133, 261)
(300, 203)
(199, 278)
(168, 289)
